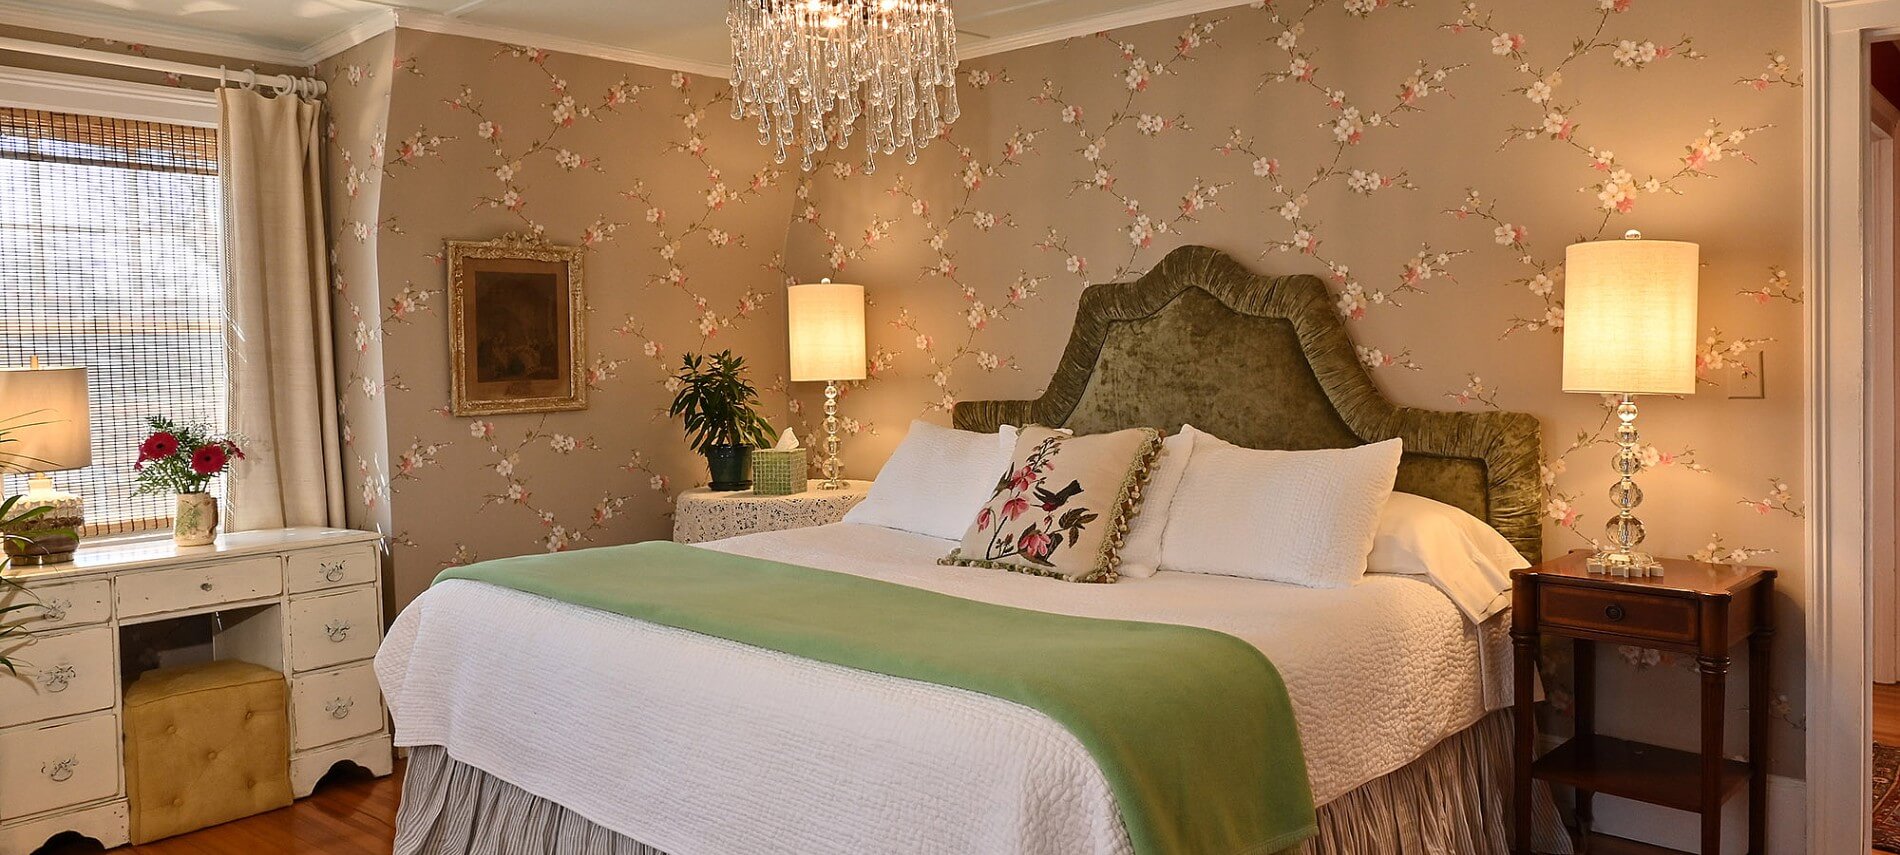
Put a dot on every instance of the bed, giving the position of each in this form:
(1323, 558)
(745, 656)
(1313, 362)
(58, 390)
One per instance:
(593, 732)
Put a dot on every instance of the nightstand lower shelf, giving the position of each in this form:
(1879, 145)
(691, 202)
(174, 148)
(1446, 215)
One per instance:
(1635, 770)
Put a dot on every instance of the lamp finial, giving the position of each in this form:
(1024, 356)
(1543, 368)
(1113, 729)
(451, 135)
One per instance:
(1632, 234)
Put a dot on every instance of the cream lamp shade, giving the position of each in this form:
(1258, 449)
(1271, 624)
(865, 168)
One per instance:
(51, 424)
(826, 331)
(1630, 316)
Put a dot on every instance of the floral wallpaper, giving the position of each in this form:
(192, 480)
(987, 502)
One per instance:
(1429, 158)
(683, 218)
(1431, 161)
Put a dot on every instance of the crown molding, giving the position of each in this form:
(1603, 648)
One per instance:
(371, 26)
(101, 25)
(432, 23)
(120, 28)
(1093, 24)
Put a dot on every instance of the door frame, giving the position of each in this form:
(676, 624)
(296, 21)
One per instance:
(1838, 550)
(1884, 616)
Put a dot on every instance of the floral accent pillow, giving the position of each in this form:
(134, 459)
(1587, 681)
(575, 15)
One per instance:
(1062, 508)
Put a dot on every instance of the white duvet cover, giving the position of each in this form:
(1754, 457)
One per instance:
(697, 745)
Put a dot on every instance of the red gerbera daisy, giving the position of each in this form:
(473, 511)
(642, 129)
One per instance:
(158, 445)
(208, 460)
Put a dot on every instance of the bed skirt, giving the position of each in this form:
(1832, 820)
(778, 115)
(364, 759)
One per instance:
(1453, 800)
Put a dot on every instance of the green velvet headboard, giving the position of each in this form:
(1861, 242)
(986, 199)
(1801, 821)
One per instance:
(1264, 361)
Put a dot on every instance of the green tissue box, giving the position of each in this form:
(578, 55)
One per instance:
(778, 472)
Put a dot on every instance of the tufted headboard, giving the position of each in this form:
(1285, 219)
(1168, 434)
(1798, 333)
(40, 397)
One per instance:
(1264, 361)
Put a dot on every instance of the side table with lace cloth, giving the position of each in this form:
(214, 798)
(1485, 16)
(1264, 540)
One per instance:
(701, 515)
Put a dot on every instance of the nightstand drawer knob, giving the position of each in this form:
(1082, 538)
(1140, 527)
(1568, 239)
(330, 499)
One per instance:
(1614, 612)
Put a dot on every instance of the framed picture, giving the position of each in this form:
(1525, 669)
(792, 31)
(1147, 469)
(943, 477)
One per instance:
(516, 333)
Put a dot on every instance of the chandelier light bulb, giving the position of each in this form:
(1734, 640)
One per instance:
(813, 72)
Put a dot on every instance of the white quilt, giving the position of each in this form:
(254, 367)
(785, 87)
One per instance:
(697, 745)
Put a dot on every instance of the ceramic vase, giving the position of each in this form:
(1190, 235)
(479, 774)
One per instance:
(196, 521)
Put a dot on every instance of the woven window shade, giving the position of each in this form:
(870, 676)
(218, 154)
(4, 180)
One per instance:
(110, 257)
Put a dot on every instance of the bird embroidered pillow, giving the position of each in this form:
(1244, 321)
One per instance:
(1062, 508)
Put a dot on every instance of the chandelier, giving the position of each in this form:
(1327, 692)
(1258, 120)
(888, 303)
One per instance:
(810, 70)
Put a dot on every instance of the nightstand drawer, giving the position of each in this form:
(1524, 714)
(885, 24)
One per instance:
(1665, 619)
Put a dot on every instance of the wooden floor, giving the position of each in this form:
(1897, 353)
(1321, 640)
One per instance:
(350, 814)
(355, 814)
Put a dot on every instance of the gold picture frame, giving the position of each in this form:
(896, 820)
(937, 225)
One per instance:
(517, 329)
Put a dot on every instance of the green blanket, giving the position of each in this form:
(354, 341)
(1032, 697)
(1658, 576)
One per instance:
(1192, 727)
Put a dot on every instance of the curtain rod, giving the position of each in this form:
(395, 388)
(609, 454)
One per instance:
(283, 83)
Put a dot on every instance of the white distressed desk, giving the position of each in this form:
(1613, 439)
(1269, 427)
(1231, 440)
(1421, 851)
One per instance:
(305, 601)
(701, 514)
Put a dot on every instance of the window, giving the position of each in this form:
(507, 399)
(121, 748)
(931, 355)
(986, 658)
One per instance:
(111, 255)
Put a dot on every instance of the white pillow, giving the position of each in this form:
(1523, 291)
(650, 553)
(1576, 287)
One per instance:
(1302, 517)
(1141, 550)
(1467, 559)
(936, 480)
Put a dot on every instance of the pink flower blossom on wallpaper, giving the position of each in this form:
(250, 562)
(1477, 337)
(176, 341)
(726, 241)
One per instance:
(1780, 499)
(1779, 286)
(1779, 72)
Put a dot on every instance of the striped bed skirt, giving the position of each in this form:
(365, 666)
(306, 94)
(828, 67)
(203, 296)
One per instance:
(1453, 800)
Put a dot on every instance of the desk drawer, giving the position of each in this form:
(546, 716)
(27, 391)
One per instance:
(333, 629)
(61, 674)
(1663, 619)
(61, 606)
(193, 587)
(331, 706)
(332, 568)
(43, 768)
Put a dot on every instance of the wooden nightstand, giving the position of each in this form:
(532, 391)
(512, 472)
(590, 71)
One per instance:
(1703, 610)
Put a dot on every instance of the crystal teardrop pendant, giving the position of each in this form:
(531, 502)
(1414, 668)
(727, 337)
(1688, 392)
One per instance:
(810, 70)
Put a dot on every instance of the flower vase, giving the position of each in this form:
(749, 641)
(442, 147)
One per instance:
(196, 521)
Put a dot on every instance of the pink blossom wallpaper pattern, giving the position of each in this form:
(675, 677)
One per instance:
(1431, 160)
(682, 220)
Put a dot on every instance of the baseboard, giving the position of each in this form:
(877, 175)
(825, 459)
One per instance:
(1682, 831)
(1787, 821)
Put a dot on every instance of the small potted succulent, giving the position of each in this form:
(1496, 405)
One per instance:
(718, 404)
(183, 459)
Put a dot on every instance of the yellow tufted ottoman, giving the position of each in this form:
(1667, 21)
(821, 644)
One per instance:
(204, 744)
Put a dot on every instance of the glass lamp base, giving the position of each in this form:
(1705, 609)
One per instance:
(1630, 565)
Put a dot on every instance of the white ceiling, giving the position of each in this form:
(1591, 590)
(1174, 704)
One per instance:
(686, 34)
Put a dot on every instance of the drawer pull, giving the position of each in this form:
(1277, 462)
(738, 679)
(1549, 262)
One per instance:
(56, 680)
(337, 630)
(204, 586)
(1614, 612)
(340, 707)
(54, 611)
(62, 771)
(333, 570)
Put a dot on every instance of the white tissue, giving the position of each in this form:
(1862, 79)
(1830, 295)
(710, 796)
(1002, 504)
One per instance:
(787, 441)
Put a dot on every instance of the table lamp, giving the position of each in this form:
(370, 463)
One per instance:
(49, 429)
(827, 341)
(1629, 329)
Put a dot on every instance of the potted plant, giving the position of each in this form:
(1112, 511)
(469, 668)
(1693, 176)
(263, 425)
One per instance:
(12, 631)
(716, 403)
(183, 459)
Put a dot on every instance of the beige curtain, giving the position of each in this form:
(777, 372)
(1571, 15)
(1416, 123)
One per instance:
(282, 379)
